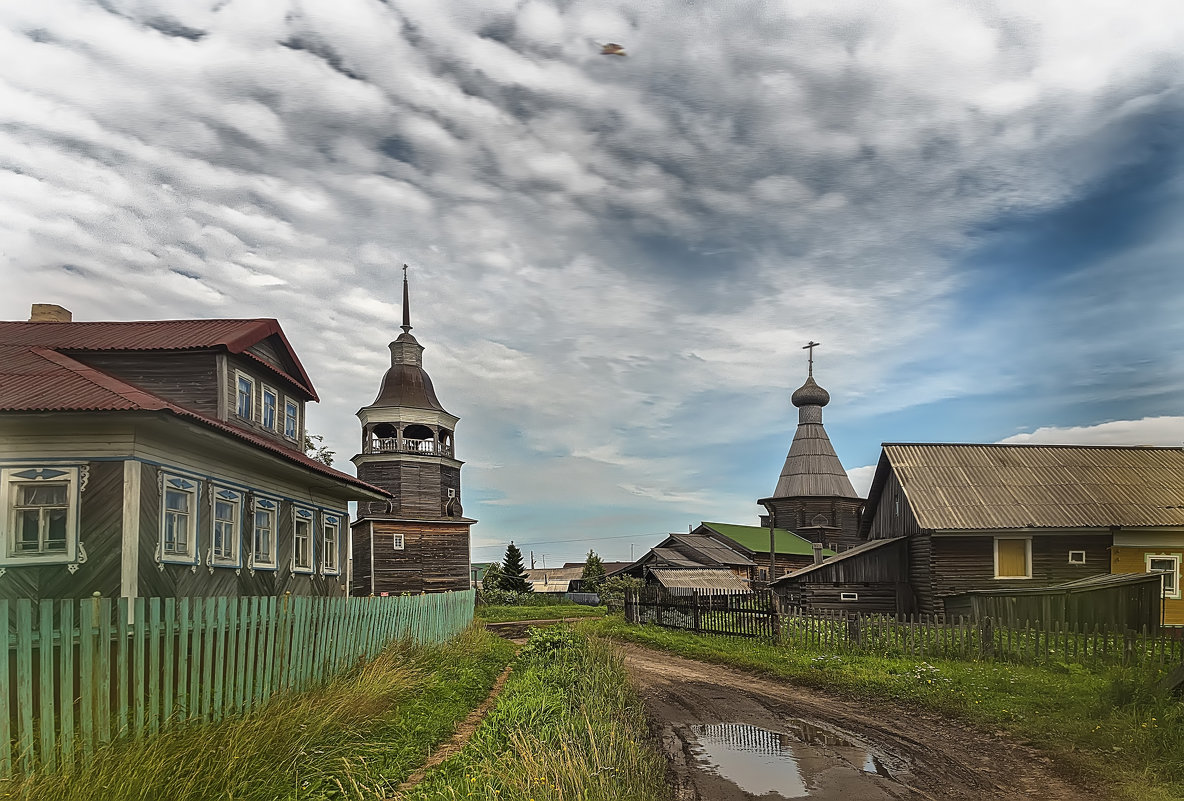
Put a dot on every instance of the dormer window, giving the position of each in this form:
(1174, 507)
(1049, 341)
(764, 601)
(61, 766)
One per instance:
(245, 397)
(291, 418)
(268, 409)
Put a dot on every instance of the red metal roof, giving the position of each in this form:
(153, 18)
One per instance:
(36, 378)
(233, 335)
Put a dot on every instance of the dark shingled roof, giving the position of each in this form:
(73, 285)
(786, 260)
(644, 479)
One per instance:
(992, 487)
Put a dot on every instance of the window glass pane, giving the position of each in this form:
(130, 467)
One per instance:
(176, 501)
(56, 536)
(1013, 558)
(1169, 580)
(245, 392)
(263, 535)
(223, 510)
(28, 531)
(42, 495)
(269, 402)
(291, 410)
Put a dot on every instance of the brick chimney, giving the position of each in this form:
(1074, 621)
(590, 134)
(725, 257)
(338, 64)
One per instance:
(50, 313)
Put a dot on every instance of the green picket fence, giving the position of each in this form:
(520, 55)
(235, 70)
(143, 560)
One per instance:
(80, 674)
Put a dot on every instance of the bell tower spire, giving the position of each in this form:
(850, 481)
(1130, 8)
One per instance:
(406, 326)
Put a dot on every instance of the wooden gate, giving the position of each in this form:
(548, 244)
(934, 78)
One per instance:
(750, 614)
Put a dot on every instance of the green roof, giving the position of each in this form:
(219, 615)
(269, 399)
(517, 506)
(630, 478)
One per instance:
(755, 538)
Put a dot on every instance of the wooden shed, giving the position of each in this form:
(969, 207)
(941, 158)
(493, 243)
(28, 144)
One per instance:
(870, 578)
(1128, 601)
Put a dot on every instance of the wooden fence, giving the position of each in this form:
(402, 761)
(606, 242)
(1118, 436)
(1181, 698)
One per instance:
(759, 614)
(80, 674)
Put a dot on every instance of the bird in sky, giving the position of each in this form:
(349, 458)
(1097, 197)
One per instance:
(612, 49)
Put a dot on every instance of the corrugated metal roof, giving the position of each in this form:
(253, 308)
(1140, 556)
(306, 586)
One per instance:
(983, 487)
(713, 549)
(154, 335)
(700, 579)
(755, 538)
(673, 558)
(84, 389)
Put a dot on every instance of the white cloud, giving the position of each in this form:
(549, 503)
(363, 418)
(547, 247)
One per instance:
(1146, 431)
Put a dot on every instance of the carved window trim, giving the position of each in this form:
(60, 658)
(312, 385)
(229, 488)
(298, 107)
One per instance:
(189, 487)
(307, 517)
(271, 507)
(331, 533)
(11, 481)
(237, 501)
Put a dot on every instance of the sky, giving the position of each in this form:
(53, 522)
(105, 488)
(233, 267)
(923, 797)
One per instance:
(615, 261)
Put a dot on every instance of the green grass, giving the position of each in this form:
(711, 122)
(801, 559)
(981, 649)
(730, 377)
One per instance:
(505, 614)
(1108, 725)
(355, 738)
(566, 727)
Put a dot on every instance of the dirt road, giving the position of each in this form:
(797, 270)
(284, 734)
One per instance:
(730, 735)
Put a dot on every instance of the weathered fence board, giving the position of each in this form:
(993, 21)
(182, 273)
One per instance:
(79, 674)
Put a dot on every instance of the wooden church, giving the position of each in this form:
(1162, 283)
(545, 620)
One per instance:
(814, 497)
(418, 541)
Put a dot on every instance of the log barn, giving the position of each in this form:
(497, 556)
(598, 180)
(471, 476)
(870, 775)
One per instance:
(965, 518)
(162, 458)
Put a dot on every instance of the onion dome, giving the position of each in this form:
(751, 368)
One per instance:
(810, 394)
(406, 383)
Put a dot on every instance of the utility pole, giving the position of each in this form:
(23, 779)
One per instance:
(532, 560)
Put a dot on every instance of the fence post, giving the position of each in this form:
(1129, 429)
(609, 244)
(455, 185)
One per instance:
(986, 643)
(775, 616)
(695, 609)
(854, 634)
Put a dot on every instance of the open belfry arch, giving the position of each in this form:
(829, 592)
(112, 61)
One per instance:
(419, 540)
(814, 497)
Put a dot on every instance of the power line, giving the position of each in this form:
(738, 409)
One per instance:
(571, 542)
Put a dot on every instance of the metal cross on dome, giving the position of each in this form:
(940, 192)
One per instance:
(810, 346)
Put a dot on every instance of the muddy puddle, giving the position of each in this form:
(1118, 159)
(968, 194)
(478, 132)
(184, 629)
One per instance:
(802, 759)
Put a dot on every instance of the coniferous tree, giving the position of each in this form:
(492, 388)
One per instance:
(593, 576)
(513, 576)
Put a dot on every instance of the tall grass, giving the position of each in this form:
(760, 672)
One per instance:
(567, 727)
(356, 737)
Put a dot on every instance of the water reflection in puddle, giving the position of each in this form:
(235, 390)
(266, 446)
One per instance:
(759, 761)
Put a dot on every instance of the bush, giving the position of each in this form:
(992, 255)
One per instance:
(612, 592)
(499, 597)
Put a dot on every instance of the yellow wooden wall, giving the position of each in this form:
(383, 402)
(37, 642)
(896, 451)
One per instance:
(1133, 560)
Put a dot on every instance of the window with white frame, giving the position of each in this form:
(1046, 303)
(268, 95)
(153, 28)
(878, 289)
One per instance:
(244, 404)
(397, 542)
(40, 514)
(1077, 557)
(263, 539)
(1169, 565)
(330, 532)
(268, 408)
(302, 523)
(291, 418)
(1013, 557)
(178, 520)
(224, 545)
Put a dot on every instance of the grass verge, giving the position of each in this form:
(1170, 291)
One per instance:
(355, 738)
(1109, 726)
(505, 614)
(567, 726)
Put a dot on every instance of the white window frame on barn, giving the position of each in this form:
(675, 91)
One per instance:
(16, 485)
(1077, 557)
(306, 519)
(179, 487)
(330, 545)
(270, 508)
(244, 410)
(1171, 588)
(291, 415)
(223, 531)
(398, 543)
(264, 408)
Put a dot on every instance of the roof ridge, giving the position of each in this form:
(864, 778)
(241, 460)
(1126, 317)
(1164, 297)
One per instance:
(1029, 445)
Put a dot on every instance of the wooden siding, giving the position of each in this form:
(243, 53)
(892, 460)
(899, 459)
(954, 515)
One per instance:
(960, 564)
(419, 484)
(873, 598)
(186, 378)
(100, 518)
(1133, 560)
(164, 580)
(66, 436)
(921, 572)
(434, 557)
(359, 580)
(793, 514)
(893, 516)
(879, 577)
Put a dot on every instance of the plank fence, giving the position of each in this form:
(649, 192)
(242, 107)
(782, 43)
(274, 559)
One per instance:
(760, 614)
(80, 674)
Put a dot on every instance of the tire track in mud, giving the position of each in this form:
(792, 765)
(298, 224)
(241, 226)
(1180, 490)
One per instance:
(811, 743)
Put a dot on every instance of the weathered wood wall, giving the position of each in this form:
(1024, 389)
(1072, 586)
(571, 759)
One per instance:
(188, 379)
(419, 484)
(892, 516)
(792, 514)
(434, 557)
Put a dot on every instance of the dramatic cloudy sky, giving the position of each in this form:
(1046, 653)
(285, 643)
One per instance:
(975, 207)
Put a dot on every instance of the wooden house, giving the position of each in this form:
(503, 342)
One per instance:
(1016, 517)
(417, 540)
(814, 496)
(742, 550)
(162, 458)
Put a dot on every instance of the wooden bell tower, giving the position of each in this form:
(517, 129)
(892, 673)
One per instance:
(418, 541)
